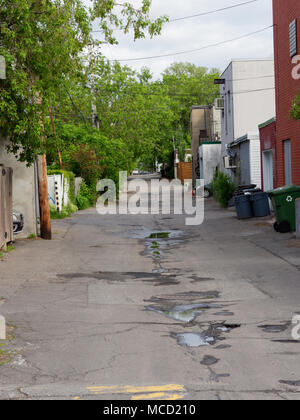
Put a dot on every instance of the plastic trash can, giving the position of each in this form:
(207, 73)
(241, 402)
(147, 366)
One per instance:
(243, 207)
(284, 204)
(260, 204)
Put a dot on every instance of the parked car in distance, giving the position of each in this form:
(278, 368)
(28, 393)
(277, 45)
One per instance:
(136, 172)
(18, 222)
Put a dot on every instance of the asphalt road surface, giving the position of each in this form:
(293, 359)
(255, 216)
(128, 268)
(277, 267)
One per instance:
(145, 307)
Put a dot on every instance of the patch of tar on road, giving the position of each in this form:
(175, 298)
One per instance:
(223, 347)
(209, 360)
(275, 328)
(224, 313)
(290, 383)
(158, 278)
(197, 279)
(215, 377)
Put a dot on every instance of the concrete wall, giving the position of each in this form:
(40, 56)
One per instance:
(24, 190)
(249, 96)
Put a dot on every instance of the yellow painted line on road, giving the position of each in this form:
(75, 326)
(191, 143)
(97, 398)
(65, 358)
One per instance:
(129, 389)
(154, 396)
(157, 396)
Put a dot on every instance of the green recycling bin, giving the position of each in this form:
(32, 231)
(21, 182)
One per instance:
(284, 204)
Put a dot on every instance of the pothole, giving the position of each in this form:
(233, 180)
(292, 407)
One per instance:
(207, 337)
(194, 339)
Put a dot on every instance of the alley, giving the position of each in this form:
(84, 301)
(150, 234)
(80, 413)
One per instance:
(135, 307)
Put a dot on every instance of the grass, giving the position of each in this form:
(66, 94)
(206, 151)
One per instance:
(4, 356)
(31, 236)
(155, 245)
(159, 235)
(67, 211)
(8, 249)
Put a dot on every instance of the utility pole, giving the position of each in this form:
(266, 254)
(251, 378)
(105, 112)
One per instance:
(54, 132)
(45, 219)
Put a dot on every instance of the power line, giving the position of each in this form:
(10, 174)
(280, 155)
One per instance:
(196, 49)
(214, 11)
(204, 13)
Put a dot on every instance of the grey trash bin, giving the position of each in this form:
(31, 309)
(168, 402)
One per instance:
(243, 207)
(260, 204)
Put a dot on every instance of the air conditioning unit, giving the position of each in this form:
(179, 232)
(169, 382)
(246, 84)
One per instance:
(229, 163)
(220, 103)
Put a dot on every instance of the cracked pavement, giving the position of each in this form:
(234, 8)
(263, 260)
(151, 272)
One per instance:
(79, 310)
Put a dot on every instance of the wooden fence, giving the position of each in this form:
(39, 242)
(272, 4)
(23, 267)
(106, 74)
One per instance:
(185, 171)
(6, 211)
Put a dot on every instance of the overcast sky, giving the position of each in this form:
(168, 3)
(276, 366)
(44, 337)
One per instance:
(200, 31)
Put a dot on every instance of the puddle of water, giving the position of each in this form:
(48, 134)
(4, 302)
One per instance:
(183, 313)
(194, 340)
(145, 233)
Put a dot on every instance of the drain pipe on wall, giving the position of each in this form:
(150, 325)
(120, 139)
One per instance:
(298, 218)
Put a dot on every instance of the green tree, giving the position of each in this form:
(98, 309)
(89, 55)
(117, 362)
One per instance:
(295, 111)
(189, 85)
(43, 43)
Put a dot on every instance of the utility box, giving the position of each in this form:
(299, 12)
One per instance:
(6, 210)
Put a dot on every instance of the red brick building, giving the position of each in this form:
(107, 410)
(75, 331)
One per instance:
(267, 133)
(286, 15)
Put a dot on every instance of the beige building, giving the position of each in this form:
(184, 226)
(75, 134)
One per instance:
(205, 127)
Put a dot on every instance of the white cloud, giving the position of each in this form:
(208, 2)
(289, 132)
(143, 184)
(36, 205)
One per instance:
(201, 31)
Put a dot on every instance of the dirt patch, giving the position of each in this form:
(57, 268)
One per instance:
(293, 243)
(4, 356)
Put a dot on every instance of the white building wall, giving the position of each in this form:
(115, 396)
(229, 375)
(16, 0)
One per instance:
(253, 94)
(249, 97)
(211, 156)
(255, 160)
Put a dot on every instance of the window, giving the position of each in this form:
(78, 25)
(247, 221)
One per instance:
(293, 38)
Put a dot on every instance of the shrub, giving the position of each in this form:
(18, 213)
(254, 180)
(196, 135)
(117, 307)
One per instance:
(86, 197)
(223, 188)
